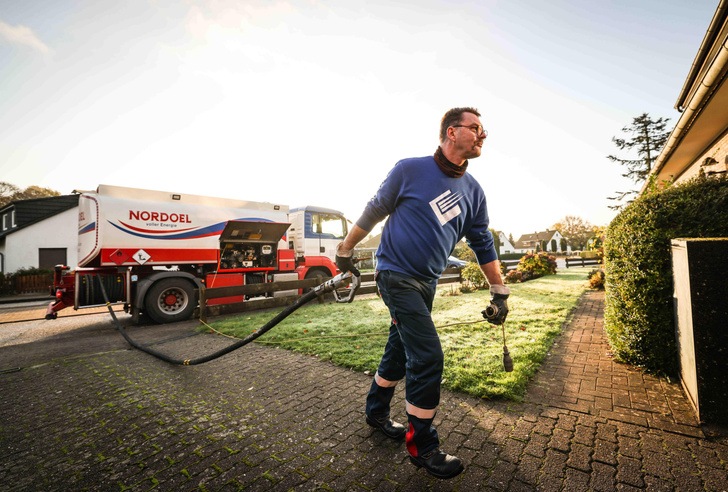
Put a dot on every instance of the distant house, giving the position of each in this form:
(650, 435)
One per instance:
(699, 141)
(39, 233)
(506, 246)
(532, 242)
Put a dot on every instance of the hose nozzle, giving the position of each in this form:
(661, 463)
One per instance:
(507, 361)
(337, 282)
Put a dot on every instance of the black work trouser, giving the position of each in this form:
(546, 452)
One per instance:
(413, 351)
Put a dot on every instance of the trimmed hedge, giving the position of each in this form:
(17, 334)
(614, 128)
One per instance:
(639, 317)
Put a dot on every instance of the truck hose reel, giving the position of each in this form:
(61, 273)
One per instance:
(330, 285)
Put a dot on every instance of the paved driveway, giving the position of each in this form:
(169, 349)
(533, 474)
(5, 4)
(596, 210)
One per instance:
(265, 419)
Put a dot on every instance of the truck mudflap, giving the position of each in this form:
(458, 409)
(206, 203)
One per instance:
(62, 290)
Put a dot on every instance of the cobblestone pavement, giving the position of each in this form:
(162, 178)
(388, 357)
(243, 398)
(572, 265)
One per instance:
(265, 419)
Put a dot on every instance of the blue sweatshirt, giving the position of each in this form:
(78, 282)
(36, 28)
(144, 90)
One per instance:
(429, 212)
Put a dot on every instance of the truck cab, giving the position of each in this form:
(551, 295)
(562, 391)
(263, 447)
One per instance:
(314, 233)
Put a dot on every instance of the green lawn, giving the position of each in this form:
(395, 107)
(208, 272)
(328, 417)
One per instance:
(353, 335)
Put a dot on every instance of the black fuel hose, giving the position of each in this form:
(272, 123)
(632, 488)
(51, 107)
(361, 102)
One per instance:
(328, 286)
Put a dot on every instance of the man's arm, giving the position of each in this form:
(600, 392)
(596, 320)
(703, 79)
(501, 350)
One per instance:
(345, 249)
(493, 275)
(355, 236)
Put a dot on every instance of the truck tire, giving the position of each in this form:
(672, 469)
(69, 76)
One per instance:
(170, 300)
(319, 275)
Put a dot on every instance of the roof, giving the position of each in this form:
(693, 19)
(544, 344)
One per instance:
(702, 102)
(33, 210)
(315, 209)
(524, 241)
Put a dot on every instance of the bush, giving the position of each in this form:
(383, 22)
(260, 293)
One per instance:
(472, 274)
(638, 317)
(8, 280)
(463, 252)
(538, 265)
(513, 277)
(596, 279)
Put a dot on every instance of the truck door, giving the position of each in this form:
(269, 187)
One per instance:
(327, 230)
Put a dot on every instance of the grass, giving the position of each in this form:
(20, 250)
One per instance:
(353, 335)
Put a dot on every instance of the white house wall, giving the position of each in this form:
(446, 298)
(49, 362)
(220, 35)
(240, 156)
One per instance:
(58, 231)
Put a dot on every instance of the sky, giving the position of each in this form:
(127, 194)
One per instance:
(312, 102)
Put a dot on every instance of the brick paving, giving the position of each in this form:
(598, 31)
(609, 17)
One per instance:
(265, 419)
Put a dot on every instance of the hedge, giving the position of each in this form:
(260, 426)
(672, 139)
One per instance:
(639, 316)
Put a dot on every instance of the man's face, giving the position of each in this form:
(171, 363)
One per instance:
(469, 136)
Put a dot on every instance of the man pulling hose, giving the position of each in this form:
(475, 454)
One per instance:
(431, 203)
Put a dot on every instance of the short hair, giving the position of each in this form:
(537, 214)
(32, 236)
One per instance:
(453, 117)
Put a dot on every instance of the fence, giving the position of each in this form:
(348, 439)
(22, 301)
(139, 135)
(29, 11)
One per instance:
(368, 286)
(26, 284)
(582, 261)
(508, 265)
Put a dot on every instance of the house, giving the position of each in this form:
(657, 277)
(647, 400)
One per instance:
(699, 141)
(532, 242)
(39, 233)
(506, 246)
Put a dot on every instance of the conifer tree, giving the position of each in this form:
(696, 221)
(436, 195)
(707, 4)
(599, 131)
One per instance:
(648, 136)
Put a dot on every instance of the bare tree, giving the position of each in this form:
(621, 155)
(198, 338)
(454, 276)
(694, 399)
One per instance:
(576, 230)
(10, 193)
(7, 190)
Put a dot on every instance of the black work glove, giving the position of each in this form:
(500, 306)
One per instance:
(497, 311)
(345, 261)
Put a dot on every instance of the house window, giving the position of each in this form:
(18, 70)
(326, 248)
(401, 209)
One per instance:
(12, 218)
(5, 222)
(50, 257)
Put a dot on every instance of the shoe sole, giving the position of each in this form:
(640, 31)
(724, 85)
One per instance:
(437, 475)
(373, 423)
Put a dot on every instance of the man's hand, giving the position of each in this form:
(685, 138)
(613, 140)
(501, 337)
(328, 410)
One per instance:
(497, 311)
(344, 260)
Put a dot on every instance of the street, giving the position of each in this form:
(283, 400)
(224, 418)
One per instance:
(37, 341)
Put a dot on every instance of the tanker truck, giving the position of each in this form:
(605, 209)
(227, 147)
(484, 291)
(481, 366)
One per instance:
(150, 250)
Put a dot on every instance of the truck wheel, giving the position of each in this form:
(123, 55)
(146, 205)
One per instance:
(319, 275)
(170, 300)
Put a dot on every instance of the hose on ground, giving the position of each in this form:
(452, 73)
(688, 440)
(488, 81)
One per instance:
(328, 286)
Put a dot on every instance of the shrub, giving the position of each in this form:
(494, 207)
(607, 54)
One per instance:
(27, 271)
(463, 252)
(538, 264)
(472, 274)
(596, 279)
(638, 317)
(513, 277)
(8, 280)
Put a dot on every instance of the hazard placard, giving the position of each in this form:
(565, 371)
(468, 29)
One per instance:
(141, 257)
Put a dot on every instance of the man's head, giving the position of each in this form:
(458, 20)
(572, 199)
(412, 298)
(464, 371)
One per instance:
(461, 134)
(454, 117)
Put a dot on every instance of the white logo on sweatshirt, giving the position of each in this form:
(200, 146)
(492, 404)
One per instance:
(446, 206)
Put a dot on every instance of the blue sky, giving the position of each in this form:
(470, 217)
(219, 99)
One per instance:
(312, 102)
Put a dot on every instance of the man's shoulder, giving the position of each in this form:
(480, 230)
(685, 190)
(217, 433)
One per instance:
(415, 161)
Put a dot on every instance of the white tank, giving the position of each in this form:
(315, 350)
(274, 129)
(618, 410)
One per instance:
(128, 226)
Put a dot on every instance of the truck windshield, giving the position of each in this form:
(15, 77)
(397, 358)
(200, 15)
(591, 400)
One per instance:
(329, 224)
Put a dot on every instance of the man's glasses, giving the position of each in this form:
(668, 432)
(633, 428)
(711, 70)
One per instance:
(478, 130)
